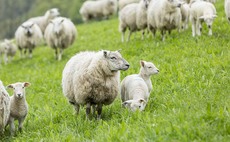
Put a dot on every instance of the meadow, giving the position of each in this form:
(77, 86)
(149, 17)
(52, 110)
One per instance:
(190, 100)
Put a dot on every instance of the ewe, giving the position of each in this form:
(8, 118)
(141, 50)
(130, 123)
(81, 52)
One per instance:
(60, 34)
(8, 49)
(136, 88)
(93, 79)
(18, 105)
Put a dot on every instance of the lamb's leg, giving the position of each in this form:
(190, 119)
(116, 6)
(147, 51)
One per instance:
(30, 53)
(5, 58)
(56, 53)
(77, 107)
(20, 123)
(99, 111)
(163, 35)
(198, 28)
(193, 28)
(130, 33)
(94, 109)
(152, 30)
(88, 107)
(122, 34)
(12, 127)
(60, 54)
(143, 33)
(25, 52)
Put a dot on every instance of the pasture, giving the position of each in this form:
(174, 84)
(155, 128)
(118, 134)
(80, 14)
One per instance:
(190, 100)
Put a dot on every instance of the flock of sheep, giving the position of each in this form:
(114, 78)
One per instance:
(92, 79)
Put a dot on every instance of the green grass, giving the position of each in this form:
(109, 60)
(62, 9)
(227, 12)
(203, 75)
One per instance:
(190, 100)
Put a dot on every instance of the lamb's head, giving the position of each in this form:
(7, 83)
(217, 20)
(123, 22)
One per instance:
(174, 3)
(115, 61)
(146, 3)
(52, 13)
(148, 68)
(19, 89)
(135, 104)
(208, 19)
(57, 25)
(28, 28)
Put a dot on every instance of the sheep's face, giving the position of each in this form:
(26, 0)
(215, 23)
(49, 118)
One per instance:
(53, 13)
(28, 29)
(134, 105)
(148, 68)
(146, 3)
(208, 19)
(57, 26)
(19, 89)
(115, 61)
(174, 3)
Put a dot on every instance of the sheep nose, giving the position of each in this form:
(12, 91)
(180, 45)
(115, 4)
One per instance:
(127, 65)
(19, 95)
(179, 5)
(158, 70)
(209, 26)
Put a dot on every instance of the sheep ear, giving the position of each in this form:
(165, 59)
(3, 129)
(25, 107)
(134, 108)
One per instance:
(31, 25)
(23, 26)
(142, 63)
(119, 50)
(62, 20)
(214, 16)
(105, 54)
(202, 17)
(142, 101)
(127, 103)
(10, 86)
(26, 84)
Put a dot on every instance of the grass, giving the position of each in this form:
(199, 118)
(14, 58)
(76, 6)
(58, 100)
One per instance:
(190, 100)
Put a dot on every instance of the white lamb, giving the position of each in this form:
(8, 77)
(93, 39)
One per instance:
(185, 12)
(43, 21)
(18, 105)
(227, 9)
(136, 88)
(4, 107)
(93, 79)
(98, 9)
(134, 18)
(8, 49)
(164, 15)
(123, 3)
(60, 34)
(28, 36)
(202, 11)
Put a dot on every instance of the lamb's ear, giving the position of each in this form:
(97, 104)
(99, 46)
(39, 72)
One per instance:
(23, 26)
(62, 20)
(31, 25)
(142, 63)
(105, 53)
(214, 16)
(119, 50)
(10, 86)
(26, 84)
(127, 103)
(202, 17)
(142, 101)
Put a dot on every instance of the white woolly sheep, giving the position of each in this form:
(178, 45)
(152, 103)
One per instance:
(18, 105)
(60, 34)
(93, 79)
(97, 9)
(164, 15)
(136, 88)
(227, 9)
(8, 49)
(123, 3)
(28, 36)
(185, 12)
(133, 17)
(4, 107)
(43, 21)
(202, 11)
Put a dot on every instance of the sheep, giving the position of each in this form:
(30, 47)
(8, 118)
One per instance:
(164, 15)
(97, 9)
(202, 11)
(60, 34)
(43, 21)
(92, 79)
(4, 107)
(227, 9)
(18, 105)
(185, 12)
(9, 49)
(28, 36)
(133, 17)
(123, 3)
(136, 88)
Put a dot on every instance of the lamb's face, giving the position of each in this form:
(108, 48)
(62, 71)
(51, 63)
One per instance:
(149, 68)
(208, 19)
(28, 28)
(115, 61)
(57, 25)
(53, 13)
(19, 89)
(174, 3)
(134, 105)
(146, 2)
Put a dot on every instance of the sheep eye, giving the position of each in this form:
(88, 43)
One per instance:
(149, 67)
(113, 58)
(139, 106)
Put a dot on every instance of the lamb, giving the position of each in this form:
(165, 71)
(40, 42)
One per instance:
(97, 9)
(185, 12)
(123, 3)
(9, 49)
(133, 17)
(202, 11)
(4, 107)
(227, 9)
(43, 21)
(28, 36)
(136, 88)
(164, 15)
(18, 105)
(92, 79)
(60, 34)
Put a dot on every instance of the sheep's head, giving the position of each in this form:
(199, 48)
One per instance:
(208, 19)
(146, 3)
(148, 68)
(57, 25)
(174, 3)
(115, 61)
(135, 104)
(28, 28)
(19, 88)
(53, 13)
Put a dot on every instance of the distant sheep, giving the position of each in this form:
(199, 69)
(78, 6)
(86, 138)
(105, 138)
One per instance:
(4, 107)
(123, 3)
(134, 18)
(43, 21)
(164, 15)
(60, 34)
(8, 49)
(28, 36)
(202, 11)
(227, 9)
(93, 79)
(97, 9)
(136, 88)
(18, 105)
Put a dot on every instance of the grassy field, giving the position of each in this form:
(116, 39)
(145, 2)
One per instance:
(190, 100)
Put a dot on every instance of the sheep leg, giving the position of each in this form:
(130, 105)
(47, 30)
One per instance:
(56, 53)
(30, 53)
(60, 54)
(163, 35)
(25, 52)
(198, 27)
(210, 30)
(122, 34)
(193, 28)
(5, 58)
(143, 33)
(152, 30)
(94, 109)
(12, 127)
(99, 111)
(88, 107)
(77, 107)
(20, 122)
(130, 33)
